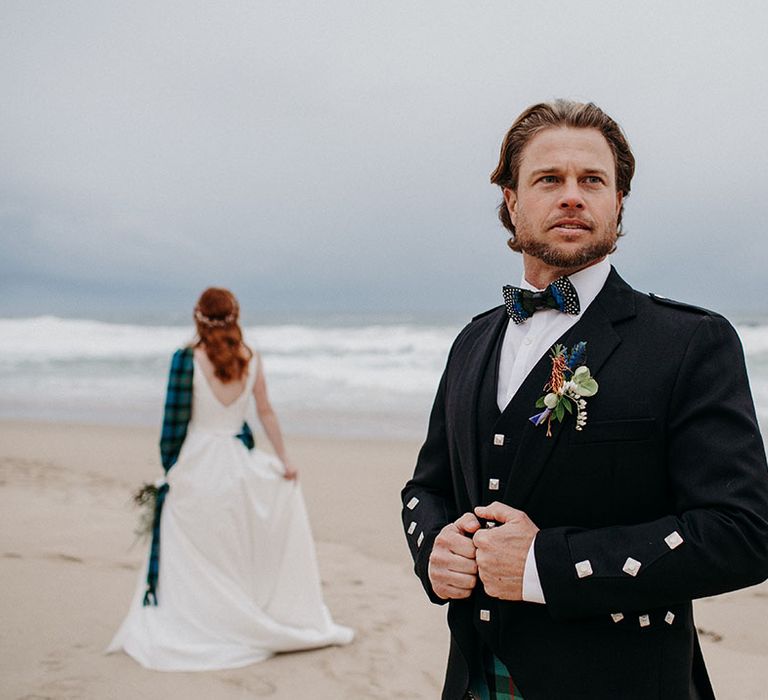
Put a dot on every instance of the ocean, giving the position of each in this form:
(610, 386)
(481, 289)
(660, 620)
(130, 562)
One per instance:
(372, 380)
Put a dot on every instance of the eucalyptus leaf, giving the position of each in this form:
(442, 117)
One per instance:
(540, 402)
(588, 388)
(559, 411)
(567, 403)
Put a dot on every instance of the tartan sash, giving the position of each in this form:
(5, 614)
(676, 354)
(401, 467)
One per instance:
(178, 407)
(176, 417)
(150, 595)
(493, 681)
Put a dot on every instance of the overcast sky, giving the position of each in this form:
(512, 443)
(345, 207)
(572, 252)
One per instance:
(334, 156)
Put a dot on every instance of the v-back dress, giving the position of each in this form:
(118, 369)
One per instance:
(238, 571)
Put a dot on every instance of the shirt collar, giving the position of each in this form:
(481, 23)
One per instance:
(588, 282)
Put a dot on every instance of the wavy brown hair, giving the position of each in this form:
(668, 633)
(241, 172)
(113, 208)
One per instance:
(547, 115)
(218, 331)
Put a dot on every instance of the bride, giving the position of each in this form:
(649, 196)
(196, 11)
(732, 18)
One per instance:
(231, 575)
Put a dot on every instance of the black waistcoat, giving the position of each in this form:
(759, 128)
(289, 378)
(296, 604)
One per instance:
(498, 432)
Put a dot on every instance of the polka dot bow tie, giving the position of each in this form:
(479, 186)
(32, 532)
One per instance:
(523, 303)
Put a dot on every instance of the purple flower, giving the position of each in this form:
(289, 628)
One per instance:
(539, 418)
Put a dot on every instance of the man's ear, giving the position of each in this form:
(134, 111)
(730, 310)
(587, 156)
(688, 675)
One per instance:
(510, 200)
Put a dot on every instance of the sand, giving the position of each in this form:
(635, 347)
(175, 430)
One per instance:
(68, 565)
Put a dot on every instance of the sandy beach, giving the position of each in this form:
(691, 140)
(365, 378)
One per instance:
(69, 562)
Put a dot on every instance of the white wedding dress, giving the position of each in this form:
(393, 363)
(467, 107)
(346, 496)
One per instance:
(238, 578)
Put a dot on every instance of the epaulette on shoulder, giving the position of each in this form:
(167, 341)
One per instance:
(680, 305)
(486, 313)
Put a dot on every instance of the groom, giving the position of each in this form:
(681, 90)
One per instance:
(571, 503)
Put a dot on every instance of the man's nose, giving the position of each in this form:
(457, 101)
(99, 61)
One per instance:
(571, 197)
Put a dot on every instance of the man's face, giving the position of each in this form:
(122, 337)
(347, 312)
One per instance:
(566, 204)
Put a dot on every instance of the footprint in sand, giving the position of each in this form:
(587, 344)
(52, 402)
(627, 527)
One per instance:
(260, 687)
(66, 688)
(710, 635)
(65, 557)
(52, 664)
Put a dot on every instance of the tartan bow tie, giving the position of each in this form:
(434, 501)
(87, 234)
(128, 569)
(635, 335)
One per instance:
(523, 303)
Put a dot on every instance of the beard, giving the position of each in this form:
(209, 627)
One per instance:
(599, 242)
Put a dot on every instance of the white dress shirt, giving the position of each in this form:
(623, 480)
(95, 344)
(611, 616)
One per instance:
(522, 347)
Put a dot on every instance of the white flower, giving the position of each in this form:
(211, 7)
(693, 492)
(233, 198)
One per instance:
(550, 400)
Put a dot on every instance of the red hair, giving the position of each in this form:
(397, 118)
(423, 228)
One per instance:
(216, 316)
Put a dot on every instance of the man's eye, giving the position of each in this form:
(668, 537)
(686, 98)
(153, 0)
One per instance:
(548, 179)
(594, 180)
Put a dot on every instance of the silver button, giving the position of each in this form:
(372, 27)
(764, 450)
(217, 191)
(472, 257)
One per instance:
(631, 566)
(485, 615)
(645, 620)
(583, 568)
(673, 539)
(411, 527)
(412, 503)
(420, 540)
(493, 484)
(617, 617)
(669, 618)
(498, 439)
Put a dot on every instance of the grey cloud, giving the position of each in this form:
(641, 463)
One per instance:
(337, 154)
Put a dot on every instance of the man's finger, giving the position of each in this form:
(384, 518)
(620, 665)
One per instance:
(452, 593)
(465, 581)
(468, 524)
(500, 512)
(462, 565)
(441, 575)
(462, 545)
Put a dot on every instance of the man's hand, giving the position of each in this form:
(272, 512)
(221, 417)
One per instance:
(452, 568)
(502, 550)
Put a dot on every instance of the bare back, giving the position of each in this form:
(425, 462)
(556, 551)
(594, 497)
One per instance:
(226, 392)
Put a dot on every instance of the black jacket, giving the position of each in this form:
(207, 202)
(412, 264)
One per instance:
(672, 446)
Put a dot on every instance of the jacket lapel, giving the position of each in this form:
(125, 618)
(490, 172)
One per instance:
(615, 302)
(468, 385)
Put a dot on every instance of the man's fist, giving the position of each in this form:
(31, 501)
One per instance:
(502, 550)
(452, 568)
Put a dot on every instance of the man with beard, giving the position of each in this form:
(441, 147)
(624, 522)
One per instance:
(593, 460)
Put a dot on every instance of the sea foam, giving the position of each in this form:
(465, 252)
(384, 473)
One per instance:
(364, 380)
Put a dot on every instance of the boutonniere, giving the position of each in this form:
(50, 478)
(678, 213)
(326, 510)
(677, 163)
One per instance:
(569, 385)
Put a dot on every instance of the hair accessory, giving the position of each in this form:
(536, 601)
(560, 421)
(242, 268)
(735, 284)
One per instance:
(214, 322)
